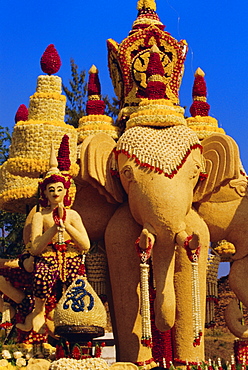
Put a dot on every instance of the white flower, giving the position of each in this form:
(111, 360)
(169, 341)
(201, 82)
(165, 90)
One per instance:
(17, 354)
(6, 354)
(21, 362)
(3, 362)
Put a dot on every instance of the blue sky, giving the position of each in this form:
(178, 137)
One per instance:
(216, 31)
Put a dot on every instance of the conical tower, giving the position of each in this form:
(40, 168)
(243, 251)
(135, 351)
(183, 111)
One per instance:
(31, 139)
(96, 120)
(201, 122)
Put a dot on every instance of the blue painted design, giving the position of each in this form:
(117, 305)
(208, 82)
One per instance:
(76, 295)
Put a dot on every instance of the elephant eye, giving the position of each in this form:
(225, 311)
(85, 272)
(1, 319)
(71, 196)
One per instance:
(195, 171)
(127, 172)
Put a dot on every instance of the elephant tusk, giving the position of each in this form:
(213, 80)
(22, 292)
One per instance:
(183, 237)
(233, 317)
(147, 237)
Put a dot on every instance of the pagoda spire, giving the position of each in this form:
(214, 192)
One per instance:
(146, 4)
(200, 107)
(94, 104)
(96, 120)
(200, 121)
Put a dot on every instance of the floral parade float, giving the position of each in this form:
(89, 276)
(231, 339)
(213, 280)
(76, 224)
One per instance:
(136, 181)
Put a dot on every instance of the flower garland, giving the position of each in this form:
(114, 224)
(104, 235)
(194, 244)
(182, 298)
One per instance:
(196, 309)
(212, 289)
(144, 255)
(60, 246)
(57, 123)
(20, 166)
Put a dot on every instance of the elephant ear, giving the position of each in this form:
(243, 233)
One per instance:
(96, 158)
(222, 164)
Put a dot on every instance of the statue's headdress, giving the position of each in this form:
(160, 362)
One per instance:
(59, 172)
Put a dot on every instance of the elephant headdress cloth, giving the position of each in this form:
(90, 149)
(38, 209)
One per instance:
(156, 134)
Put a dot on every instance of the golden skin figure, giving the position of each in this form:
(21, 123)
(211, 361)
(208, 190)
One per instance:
(46, 226)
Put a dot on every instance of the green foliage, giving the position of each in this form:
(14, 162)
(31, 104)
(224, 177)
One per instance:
(11, 224)
(5, 139)
(76, 95)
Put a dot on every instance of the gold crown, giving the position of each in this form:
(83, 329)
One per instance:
(128, 60)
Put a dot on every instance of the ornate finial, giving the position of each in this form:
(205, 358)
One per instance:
(200, 107)
(94, 87)
(201, 122)
(146, 4)
(94, 104)
(50, 61)
(146, 16)
(95, 121)
(22, 113)
(199, 72)
(63, 158)
(53, 163)
(155, 76)
(93, 69)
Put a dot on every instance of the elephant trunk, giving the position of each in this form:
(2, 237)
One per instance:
(233, 317)
(164, 304)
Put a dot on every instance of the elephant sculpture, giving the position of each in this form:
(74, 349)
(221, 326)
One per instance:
(158, 205)
(223, 205)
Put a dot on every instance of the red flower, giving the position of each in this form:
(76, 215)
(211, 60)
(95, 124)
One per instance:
(22, 113)
(76, 352)
(50, 61)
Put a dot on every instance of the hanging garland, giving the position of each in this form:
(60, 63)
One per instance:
(144, 255)
(196, 309)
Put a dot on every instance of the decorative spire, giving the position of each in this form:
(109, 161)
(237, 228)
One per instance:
(21, 113)
(96, 120)
(200, 121)
(94, 104)
(200, 107)
(146, 16)
(50, 61)
(63, 158)
(155, 76)
(94, 87)
(53, 163)
(146, 4)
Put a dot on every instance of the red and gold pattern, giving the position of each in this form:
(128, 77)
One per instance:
(128, 60)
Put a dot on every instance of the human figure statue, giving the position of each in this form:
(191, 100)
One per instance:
(58, 241)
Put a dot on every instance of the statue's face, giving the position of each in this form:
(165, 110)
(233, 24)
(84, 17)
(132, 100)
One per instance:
(55, 193)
